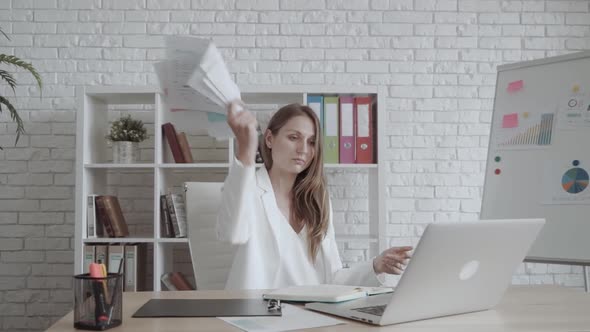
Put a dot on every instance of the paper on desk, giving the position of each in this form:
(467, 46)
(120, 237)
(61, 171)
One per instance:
(294, 318)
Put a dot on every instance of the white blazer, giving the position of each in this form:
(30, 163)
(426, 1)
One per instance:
(248, 217)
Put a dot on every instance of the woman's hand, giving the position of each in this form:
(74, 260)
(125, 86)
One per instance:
(243, 123)
(392, 260)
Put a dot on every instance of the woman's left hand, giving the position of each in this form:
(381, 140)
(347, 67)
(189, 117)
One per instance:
(392, 260)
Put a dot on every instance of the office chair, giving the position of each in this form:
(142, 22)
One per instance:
(212, 259)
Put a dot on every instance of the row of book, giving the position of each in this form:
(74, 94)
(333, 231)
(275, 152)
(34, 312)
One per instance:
(172, 215)
(178, 143)
(104, 217)
(348, 127)
(131, 257)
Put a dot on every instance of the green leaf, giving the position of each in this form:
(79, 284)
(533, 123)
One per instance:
(15, 61)
(5, 35)
(127, 129)
(9, 79)
(20, 128)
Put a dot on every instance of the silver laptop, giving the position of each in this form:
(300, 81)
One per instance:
(455, 268)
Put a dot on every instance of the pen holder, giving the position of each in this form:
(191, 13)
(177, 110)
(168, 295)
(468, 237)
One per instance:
(98, 302)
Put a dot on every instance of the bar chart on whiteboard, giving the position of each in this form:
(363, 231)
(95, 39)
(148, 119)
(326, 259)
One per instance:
(524, 130)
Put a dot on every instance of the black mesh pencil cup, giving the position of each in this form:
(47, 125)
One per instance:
(98, 302)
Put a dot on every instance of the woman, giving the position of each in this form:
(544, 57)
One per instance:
(280, 216)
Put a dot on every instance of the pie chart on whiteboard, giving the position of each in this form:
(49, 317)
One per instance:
(575, 180)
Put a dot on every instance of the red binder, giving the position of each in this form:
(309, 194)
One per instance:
(365, 131)
(347, 128)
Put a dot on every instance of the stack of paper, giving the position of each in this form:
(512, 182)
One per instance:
(324, 293)
(194, 77)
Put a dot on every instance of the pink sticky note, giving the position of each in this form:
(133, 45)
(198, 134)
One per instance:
(515, 86)
(510, 120)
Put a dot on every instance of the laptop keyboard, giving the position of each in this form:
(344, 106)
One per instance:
(376, 310)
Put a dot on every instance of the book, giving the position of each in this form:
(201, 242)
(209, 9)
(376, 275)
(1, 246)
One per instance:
(324, 293)
(170, 133)
(92, 231)
(167, 282)
(101, 253)
(102, 217)
(176, 208)
(172, 215)
(115, 216)
(185, 148)
(166, 229)
(89, 256)
(176, 281)
(180, 282)
(116, 255)
(135, 267)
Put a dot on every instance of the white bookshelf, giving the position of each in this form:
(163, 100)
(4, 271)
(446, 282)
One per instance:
(93, 160)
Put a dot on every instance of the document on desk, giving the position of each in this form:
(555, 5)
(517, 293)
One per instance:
(294, 318)
(324, 293)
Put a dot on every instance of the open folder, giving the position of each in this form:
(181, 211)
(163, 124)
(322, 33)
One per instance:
(324, 293)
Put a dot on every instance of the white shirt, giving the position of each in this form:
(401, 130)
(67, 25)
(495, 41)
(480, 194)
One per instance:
(295, 267)
(269, 255)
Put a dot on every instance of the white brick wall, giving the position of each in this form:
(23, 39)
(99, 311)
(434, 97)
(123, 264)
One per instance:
(437, 57)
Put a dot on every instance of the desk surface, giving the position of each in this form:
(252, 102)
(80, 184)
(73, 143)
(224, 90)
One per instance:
(523, 308)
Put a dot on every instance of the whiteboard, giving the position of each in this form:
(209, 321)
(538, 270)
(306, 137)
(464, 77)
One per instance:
(539, 153)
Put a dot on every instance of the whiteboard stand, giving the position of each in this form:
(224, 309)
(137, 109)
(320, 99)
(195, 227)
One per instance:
(541, 114)
(583, 264)
(586, 281)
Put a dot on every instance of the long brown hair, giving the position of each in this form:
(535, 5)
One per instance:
(309, 199)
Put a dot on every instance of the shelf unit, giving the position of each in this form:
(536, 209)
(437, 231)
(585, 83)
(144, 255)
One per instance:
(93, 163)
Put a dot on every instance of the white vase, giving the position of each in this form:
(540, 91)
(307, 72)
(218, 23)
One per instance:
(125, 152)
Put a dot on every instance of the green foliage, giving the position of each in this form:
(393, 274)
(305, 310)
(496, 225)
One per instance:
(9, 79)
(127, 129)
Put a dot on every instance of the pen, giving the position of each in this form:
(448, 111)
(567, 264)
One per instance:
(118, 281)
(100, 305)
(103, 269)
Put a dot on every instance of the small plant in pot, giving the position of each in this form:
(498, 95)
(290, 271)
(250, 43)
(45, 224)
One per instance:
(126, 133)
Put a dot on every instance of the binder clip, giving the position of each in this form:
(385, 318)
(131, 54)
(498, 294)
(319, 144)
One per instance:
(274, 305)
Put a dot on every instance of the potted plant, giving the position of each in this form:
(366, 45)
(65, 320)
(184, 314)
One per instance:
(11, 81)
(126, 133)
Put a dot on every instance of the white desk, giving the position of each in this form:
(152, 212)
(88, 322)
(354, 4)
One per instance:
(523, 308)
